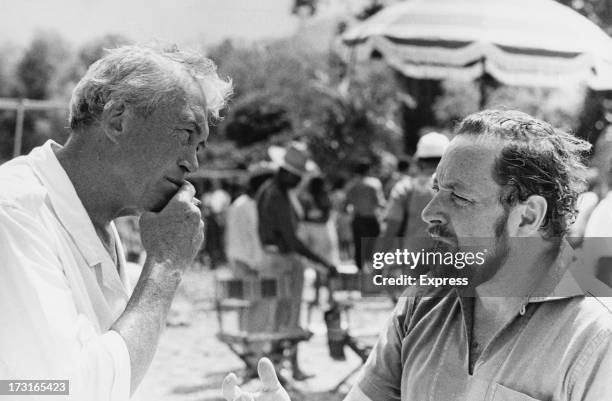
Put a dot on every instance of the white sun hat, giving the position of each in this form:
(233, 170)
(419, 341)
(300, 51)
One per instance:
(431, 145)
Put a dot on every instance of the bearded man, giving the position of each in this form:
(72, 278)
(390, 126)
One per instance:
(523, 329)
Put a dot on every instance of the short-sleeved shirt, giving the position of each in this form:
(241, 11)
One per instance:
(407, 200)
(241, 232)
(557, 348)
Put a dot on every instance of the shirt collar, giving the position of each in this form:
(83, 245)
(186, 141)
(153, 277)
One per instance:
(559, 282)
(66, 203)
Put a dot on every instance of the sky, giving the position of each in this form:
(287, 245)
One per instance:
(178, 21)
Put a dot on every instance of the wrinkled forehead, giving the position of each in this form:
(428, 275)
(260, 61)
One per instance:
(468, 163)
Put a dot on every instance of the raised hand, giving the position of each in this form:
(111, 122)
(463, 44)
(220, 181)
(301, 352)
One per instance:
(175, 233)
(271, 389)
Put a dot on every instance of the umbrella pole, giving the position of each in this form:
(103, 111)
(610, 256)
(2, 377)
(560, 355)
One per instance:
(482, 101)
(482, 86)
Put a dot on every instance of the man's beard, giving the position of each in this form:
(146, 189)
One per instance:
(496, 254)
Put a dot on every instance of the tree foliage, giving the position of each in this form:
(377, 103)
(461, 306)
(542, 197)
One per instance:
(39, 65)
(287, 91)
(255, 118)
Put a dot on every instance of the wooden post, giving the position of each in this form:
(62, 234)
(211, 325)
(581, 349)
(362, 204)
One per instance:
(19, 128)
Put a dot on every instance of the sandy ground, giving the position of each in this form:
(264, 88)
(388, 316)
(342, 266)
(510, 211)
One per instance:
(191, 363)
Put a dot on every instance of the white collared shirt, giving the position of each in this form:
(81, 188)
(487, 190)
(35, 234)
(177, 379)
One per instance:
(59, 289)
(241, 232)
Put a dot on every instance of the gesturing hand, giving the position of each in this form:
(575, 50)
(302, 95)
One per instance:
(271, 388)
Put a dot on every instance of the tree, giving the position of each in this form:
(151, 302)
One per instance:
(37, 69)
(280, 82)
(37, 74)
(255, 118)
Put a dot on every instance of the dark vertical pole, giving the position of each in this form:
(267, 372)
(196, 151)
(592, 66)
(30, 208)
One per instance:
(19, 128)
(482, 102)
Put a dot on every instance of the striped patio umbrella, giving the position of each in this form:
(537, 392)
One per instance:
(518, 42)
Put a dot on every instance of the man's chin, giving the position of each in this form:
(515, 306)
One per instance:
(158, 203)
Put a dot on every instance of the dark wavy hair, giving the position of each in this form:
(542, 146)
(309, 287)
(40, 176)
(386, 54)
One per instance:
(535, 159)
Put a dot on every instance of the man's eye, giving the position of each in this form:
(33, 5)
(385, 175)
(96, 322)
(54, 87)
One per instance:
(183, 136)
(459, 199)
(435, 188)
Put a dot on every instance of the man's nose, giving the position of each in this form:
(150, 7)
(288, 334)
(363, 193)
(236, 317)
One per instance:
(432, 212)
(189, 161)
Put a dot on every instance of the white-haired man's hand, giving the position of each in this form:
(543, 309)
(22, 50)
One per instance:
(271, 388)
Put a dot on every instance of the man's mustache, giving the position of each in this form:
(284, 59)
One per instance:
(440, 231)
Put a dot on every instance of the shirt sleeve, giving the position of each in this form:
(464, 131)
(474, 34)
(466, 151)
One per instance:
(396, 206)
(381, 375)
(591, 375)
(43, 334)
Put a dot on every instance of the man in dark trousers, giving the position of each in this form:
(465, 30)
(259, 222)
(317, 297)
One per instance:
(279, 210)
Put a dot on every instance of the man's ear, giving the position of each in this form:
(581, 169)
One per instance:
(114, 120)
(533, 212)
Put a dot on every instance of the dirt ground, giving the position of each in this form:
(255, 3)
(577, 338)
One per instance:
(191, 363)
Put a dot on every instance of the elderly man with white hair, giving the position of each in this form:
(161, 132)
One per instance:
(67, 310)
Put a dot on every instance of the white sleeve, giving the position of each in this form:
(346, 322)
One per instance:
(42, 335)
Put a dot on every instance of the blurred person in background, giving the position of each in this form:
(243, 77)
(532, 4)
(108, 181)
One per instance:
(242, 243)
(403, 228)
(277, 207)
(318, 229)
(401, 171)
(598, 233)
(67, 310)
(364, 195)
(587, 201)
(523, 329)
(216, 202)
(343, 218)
(402, 216)
(245, 256)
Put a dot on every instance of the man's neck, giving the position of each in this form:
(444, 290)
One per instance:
(529, 262)
(84, 171)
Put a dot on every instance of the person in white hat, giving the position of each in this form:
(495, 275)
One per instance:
(402, 216)
(278, 211)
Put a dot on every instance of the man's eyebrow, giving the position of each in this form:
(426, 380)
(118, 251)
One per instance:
(190, 120)
(452, 184)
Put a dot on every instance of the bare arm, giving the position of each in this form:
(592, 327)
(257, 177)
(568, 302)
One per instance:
(172, 238)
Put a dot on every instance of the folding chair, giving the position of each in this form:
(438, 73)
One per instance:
(236, 299)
